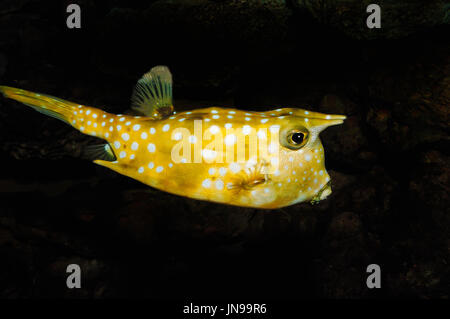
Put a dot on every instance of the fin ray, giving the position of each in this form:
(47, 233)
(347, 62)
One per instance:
(152, 95)
(102, 152)
(43, 103)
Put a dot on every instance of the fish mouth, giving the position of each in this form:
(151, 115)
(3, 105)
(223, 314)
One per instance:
(322, 193)
(325, 191)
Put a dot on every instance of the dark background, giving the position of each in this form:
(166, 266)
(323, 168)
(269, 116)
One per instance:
(389, 162)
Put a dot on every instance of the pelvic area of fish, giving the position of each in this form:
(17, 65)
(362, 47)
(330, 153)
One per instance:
(264, 160)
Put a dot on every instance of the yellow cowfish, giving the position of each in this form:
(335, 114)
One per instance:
(265, 159)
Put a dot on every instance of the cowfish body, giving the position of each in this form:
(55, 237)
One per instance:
(223, 155)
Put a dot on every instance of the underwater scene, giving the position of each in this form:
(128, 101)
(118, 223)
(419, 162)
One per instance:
(224, 150)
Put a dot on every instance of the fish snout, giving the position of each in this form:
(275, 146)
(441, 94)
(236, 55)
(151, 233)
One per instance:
(325, 192)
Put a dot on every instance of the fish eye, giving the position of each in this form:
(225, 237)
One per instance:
(297, 138)
(294, 139)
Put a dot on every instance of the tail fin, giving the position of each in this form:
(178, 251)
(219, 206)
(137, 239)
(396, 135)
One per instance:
(46, 104)
(88, 120)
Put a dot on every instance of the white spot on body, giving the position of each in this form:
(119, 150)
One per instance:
(209, 154)
(214, 129)
(192, 139)
(152, 130)
(166, 128)
(246, 129)
(122, 154)
(219, 184)
(151, 165)
(144, 135)
(177, 136)
(134, 146)
(159, 169)
(206, 183)
(230, 139)
(235, 167)
(151, 147)
(136, 127)
(125, 136)
(140, 170)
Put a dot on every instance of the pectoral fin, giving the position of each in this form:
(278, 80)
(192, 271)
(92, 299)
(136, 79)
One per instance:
(101, 152)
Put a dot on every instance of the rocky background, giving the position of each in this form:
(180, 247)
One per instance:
(389, 162)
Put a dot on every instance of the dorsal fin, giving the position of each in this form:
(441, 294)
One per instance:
(152, 95)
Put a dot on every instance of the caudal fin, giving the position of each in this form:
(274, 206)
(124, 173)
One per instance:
(88, 120)
(46, 104)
